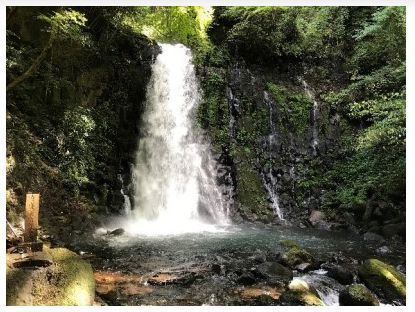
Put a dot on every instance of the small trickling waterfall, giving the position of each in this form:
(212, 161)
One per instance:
(310, 94)
(269, 180)
(174, 177)
(126, 207)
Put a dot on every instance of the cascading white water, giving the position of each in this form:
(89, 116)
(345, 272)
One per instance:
(310, 94)
(174, 177)
(271, 185)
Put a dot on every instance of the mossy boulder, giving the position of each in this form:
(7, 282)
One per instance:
(300, 293)
(296, 256)
(357, 295)
(383, 279)
(68, 281)
(288, 243)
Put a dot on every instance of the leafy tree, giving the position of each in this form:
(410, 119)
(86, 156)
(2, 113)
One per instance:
(62, 25)
(184, 24)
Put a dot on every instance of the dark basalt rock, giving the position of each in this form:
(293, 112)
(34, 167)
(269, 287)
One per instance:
(339, 273)
(274, 273)
(116, 232)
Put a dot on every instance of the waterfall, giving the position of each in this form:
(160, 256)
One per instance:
(310, 94)
(268, 178)
(174, 176)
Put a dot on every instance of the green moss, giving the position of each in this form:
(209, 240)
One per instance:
(296, 256)
(288, 243)
(301, 297)
(357, 294)
(69, 281)
(250, 191)
(294, 106)
(75, 283)
(383, 279)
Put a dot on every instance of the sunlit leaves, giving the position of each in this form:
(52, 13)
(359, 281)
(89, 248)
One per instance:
(67, 24)
(182, 24)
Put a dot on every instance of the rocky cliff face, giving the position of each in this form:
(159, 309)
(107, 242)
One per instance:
(279, 136)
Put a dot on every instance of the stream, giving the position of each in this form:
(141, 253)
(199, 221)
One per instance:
(204, 267)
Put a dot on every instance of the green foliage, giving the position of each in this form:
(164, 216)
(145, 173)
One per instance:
(67, 24)
(381, 41)
(387, 115)
(322, 30)
(294, 106)
(261, 33)
(75, 147)
(184, 24)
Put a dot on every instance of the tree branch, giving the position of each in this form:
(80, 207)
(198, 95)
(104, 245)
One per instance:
(32, 68)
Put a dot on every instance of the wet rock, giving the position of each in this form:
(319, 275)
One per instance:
(357, 295)
(316, 215)
(260, 295)
(288, 243)
(401, 268)
(259, 257)
(383, 279)
(300, 293)
(390, 230)
(369, 236)
(246, 279)
(303, 267)
(218, 269)
(383, 250)
(274, 272)
(296, 256)
(116, 232)
(339, 273)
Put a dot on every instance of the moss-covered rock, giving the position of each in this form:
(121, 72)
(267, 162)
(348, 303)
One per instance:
(357, 295)
(300, 293)
(288, 243)
(383, 279)
(296, 256)
(68, 281)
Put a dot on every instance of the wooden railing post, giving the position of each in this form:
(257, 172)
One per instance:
(31, 217)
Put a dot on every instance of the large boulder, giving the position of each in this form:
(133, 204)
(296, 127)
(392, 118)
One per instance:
(274, 273)
(357, 295)
(339, 273)
(383, 279)
(68, 281)
(296, 256)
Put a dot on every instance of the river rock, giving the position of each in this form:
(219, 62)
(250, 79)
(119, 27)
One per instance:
(303, 267)
(390, 230)
(339, 273)
(116, 232)
(316, 215)
(383, 279)
(383, 250)
(357, 295)
(246, 279)
(296, 256)
(369, 236)
(300, 293)
(274, 272)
